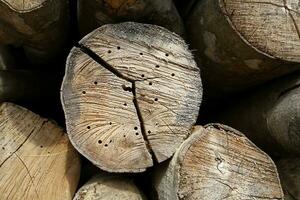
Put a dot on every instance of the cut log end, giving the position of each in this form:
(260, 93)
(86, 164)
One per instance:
(109, 187)
(218, 162)
(37, 160)
(23, 6)
(131, 93)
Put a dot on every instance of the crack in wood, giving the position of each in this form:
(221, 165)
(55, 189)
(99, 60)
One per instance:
(114, 71)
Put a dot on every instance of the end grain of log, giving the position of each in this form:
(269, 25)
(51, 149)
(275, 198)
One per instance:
(37, 160)
(244, 43)
(131, 93)
(109, 187)
(217, 162)
(289, 173)
(270, 116)
(39, 26)
(95, 13)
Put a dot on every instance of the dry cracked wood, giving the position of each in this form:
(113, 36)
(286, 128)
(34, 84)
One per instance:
(289, 172)
(130, 90)
(242, 43)
(37, 160)
(40, 26)
(270, 116)
(95, 13)
(217, 162)
(109, 187)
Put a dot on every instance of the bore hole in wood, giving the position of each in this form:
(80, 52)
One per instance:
(166, 54)
(3, 148)
(156, 99)
(149, 132)
(95, 82)
(143, 75)
(137, 133)
(118, 48)
(157, 66)
(125, 104)
(150, 83)
(100, 141)
(124, 135)
(135, 128)
(106, 145)
(141, 54)
(156, 124)
(127, 89)
(109, 51)
(41, 146)
(110, 123)
(172, 74)
(110, 141)
(88, 127)
(83, 92)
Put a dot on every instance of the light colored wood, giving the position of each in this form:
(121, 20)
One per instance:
(270, 116)
(217, 162)
(109, 187)
(289, 172)
(140, 98)
(39, 26)
(95, 13)
(241, 44)
(37, 161)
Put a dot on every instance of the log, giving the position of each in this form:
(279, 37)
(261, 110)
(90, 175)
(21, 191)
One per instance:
(109, 187)
(270, 116)
(39, 26)
(37, 160)
(218, 162)
(289, 173)
(7, 61)
(241, 44)
(95, 13)
(130, 98)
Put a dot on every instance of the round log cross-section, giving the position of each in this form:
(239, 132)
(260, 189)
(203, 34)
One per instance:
(217, 162)
(131, 93)
(241, 44)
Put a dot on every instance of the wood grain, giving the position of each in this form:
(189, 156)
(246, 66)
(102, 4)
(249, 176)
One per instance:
(37, 160)
(148, 87)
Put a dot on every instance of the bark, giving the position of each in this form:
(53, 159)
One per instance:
(109, 187)
(218, 162)
(37, 160)
(39, 26)
(270, 116)
(130, 97)
(289, 172)
(95, 13)
(244, 43)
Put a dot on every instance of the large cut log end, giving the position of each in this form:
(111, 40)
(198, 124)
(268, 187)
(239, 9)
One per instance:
(131, 93)
(218, 162)
(37, 160)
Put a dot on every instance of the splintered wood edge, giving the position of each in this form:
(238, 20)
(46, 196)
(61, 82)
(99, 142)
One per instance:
(172, 171)
(246, 39)
(101, 184)
(25, 5)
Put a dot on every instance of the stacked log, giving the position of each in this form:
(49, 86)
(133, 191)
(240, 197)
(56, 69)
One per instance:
(241, 44)
(130, 99)
(37, 160)
(39, 26)
(105, 187)
(270, 116)
(218, 162)
(95, 13)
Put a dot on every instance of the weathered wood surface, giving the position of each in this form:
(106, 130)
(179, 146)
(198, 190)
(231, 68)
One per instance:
(95, 13)
(40, 26)
(244, 43)
(127, 95)
(270, 116)
(37, 160)
(109, 187)
(218, 162)
(289, 173)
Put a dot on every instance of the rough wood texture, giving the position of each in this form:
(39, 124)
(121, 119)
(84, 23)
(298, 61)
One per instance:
(40, 26)
(244, 43)
(95, 13)
(289, 172)
(270, 116)
(109, 187)
(36, 160)
(127, 95)
(217, 162)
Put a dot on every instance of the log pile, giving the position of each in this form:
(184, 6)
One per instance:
(149, 99)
